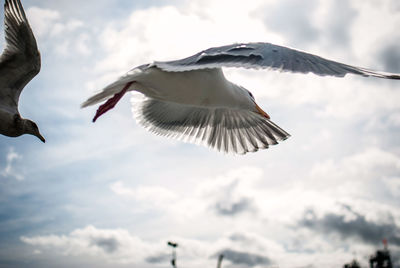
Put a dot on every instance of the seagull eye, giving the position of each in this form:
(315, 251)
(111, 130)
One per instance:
(251, 95)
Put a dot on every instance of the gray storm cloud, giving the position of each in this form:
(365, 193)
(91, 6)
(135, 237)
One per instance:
(357, 227)
(161, 258)
(390, 56)
(232, 208)
(293, 19)
(109, 245)
(244, 258)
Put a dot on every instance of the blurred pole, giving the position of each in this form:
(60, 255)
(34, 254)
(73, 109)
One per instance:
(174, 246)
(220, 257)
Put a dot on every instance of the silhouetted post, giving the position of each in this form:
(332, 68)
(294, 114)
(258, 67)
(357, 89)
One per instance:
(353, 264)
(174, 246)
(382, 258)
(220, 257)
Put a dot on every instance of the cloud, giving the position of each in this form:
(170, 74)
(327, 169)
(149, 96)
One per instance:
(62, 28)
(354, 225)
(246, 258)
(50, 23)
(324, 26)
(390, 57)
(42, 20)
(120, 247)
(161, 258)
(231, 200)
(64, 36)
(111, 245)
(293, 19)
(82, 45)
(156, 196)
(394, 5)
(340, 15)
(9, 169)
(208, 203)
(359, 174)
(311, 22)
(141, 39)
(226, 195)
(229, 208)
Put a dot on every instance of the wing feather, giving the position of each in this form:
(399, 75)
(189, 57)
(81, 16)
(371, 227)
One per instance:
(20, 60)
(222, 129)
(270, 56)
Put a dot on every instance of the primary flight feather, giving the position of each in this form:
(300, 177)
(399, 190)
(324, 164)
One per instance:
(190, 99)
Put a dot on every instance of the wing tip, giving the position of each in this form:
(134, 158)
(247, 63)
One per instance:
(15, 9)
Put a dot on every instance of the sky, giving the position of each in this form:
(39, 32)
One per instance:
(111, 194)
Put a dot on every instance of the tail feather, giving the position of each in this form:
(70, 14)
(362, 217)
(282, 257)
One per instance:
(114, 88)
(105, 94)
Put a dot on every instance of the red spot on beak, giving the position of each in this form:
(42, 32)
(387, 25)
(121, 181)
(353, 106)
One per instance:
(110, 103)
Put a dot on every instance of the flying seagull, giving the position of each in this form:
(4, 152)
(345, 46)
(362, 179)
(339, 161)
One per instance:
(190, 99)
(19, 63)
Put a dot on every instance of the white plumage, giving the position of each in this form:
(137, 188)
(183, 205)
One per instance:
(191, 100)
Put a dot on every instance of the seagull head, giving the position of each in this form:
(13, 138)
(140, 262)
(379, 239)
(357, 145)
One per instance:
(254, 105)
(32, 128)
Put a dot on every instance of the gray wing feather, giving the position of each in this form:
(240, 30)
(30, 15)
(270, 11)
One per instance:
(266, 55)
(222, 129)
(20, 60)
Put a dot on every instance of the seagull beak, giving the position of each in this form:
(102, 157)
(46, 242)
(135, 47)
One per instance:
(261, 111)
(40, 137)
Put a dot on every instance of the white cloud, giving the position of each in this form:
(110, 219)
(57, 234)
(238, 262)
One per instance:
(70, 26)
(141, 39)
(394, 119)
(350, 179)
(48, 22)
(9, 170)
(190, 213)
(156, 195)
(66, 36)
(42, 20)
(118, 246)
(82, 45)
(113, 245)
(224, 192)
(357, 174)
(180, 199)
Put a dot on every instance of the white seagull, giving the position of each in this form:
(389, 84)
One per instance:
(190, 99)
(19, 63)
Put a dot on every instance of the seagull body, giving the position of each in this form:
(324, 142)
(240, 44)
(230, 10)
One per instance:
(19, 63)
(190, 99)
(208, 88)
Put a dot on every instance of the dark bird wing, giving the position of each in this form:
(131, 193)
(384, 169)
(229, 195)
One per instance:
(267, 56)
(20, 61)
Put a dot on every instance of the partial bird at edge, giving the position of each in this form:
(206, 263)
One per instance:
(19, 63)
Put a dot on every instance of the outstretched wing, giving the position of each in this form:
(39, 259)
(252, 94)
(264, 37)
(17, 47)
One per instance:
(20, 61)
(266, 55)
(222, 129)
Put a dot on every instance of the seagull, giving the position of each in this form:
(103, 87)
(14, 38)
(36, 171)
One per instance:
(19, 63)
(191, 100)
